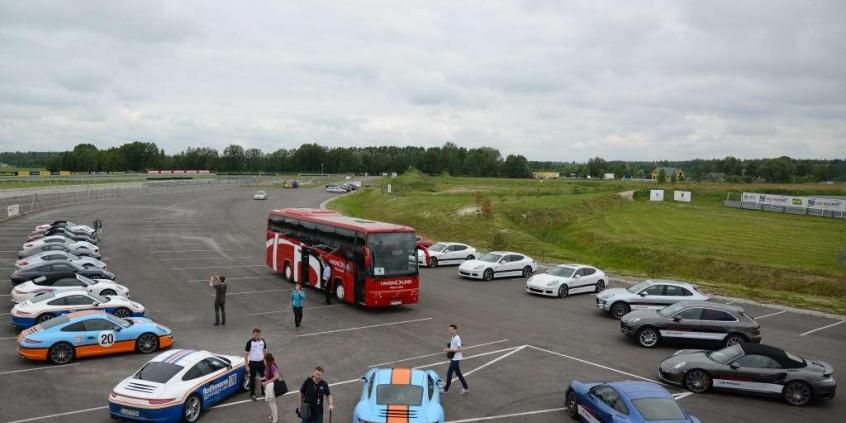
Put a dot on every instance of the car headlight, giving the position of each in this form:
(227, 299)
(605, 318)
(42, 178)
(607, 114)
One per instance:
(679, 365)
(551, 283)
(479, 267)
(635, 320)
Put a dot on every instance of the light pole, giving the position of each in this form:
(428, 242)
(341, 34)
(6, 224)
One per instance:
(321, 169)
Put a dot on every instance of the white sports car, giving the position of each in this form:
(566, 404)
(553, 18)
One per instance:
(30, 289)
(260, 195)
(79, 248)
(48, 305)
(83, 261)
(57, 239)
(498, 264)
(566, 279)
(442, 253)
(177, 386)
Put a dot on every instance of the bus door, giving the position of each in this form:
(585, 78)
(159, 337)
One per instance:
(360, 279)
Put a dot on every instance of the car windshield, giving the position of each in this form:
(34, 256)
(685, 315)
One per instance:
(437, 247)
(636, 288)
(42, 297)
(156, 371)
(726, 355)
(261, 193)
(99, 298)
(671, 310)
(86, 280)
(54, 322)
(491, 257)
(562, 271)
(118, 321)
(394, 253)
(659, 409)
(399, 395)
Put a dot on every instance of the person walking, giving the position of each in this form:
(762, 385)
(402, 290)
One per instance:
(297, 297)
(254, 357)
(219, 285)
(327, 280)
(312, 394)
(455, 356)
(268, 380)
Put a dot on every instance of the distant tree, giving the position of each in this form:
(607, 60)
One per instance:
(596, 167)
(253, 160)
(662, 176)
(516, 166)
(482, 161)
(233, 158)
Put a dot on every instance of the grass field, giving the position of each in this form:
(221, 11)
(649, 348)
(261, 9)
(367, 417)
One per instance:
(774, 257)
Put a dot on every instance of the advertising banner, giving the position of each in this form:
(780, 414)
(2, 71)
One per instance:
(811, 203)
(827, 204)
(13, 210)
(682, 196)
(656, 195)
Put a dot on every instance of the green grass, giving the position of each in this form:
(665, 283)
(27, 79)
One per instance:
(775, 257)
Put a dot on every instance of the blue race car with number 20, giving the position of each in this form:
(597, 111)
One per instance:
(626, 401)
(399, 395)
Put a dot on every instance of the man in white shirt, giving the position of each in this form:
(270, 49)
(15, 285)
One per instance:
(455, 356)
(327, 280)
(254, 357)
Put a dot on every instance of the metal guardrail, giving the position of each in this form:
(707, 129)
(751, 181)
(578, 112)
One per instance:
(785, 209)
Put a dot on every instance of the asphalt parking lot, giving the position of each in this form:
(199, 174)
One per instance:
(521, 350)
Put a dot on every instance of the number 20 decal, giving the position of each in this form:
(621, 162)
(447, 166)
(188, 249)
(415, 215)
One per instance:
(106, 338)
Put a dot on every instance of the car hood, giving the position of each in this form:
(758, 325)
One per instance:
(612, 292)
(470, 264)
(684, 356)
(820, 367)
(641, 314)
(545, 278)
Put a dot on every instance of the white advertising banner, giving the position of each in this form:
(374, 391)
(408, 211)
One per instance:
(13, 210)
(656, 195)
(814, 203)
(828, 204)
(682, 196)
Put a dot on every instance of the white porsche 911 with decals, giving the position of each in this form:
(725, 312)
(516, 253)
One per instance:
(48, 305)
(177, 386)
(83, 261)
(443, 253)
(498, 264)
(28, 290)
(566, 279)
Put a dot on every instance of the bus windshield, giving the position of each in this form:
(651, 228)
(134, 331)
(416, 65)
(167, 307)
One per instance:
(394, 254)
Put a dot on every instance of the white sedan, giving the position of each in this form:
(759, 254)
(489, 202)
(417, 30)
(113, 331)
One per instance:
(260, 195)
(498, 264)
(441, 253)
(566, 279)
(30, 289)
(335, 189)
(83, 261)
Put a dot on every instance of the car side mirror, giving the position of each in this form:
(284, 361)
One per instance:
(676, 319)
(642, 293)
(577, 277)
(363, 380)
(734, 365)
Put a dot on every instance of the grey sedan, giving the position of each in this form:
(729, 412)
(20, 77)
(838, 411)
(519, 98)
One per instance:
(699, 321)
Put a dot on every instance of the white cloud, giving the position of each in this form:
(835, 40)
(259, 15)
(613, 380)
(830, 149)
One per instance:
(548, 79)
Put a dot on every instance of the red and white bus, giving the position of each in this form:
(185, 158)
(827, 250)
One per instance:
(373, 263)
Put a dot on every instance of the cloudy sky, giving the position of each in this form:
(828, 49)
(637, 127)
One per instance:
(553, 80)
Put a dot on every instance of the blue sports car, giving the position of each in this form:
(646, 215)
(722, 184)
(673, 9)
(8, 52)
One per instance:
(91, 333)
(625, 401)
(399, 395)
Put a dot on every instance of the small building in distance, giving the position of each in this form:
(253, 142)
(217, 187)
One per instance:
(608, 176)
(546, 175)
(670, 172)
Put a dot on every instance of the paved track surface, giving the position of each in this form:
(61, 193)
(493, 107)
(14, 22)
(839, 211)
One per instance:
(522, 350)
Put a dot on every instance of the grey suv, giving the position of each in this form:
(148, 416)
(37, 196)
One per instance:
(702, 321)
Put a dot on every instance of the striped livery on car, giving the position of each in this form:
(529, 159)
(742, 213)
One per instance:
(399, 395)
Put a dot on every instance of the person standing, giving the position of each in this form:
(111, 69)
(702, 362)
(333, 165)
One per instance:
(219, 285)
(327, 280)
(268, 380)
(254, 357)
(455, 356)
(312, 394)
(297, 297)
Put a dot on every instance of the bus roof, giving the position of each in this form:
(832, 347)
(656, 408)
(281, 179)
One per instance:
(333, 218)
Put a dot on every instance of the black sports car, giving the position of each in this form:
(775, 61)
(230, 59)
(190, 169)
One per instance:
(751, 368)
(57, 268)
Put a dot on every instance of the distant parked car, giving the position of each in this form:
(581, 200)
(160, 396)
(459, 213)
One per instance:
(654, 293)
(56, 239)
(701, 321)
(335, 189)
(75, 248)
(64, 233)
(445, 253)
(49, 305)
(260, 195)
(498, 264)
(30, 289)
(57, 269)
(73, 227)
(566, 279)
(83, 261)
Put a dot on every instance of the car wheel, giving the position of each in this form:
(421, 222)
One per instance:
(697, 381)
(108, 292)
(648, 337)
(733, 339)
(563, 291)
(470, 257)
(192, 408)
(433, 262)
(797, 393)
(600, 286)
(527, 271)
(122, 312)
(570, 403)
(340, 292)
(488, 275)
(288, 276)
(147, 343)
(619, 310)
(44, 317)
(61, 353)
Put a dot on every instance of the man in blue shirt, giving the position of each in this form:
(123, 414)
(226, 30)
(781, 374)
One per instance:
(297, 297)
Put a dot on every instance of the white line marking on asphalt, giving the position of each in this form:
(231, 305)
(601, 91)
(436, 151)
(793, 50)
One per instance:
(289, 309)
(505, 416)
(5, 314)
(5, 295)
(681, 395)
(8, 338)
(35, 419)
(598, 365)
(465, 358)
(364, 327)
(254, 292)
(235, 278)
(438, 353)
(8, 372)
(204, 258)
(819, 329)
(502, 357)
(771, 314)
(8, 251)
(218, 267)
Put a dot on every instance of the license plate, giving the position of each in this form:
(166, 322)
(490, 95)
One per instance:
(128, 412)
(396, 302)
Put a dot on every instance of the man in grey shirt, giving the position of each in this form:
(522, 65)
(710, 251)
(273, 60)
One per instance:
(218, 283)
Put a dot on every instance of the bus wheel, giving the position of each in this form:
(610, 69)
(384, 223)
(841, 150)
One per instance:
(339, 292)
